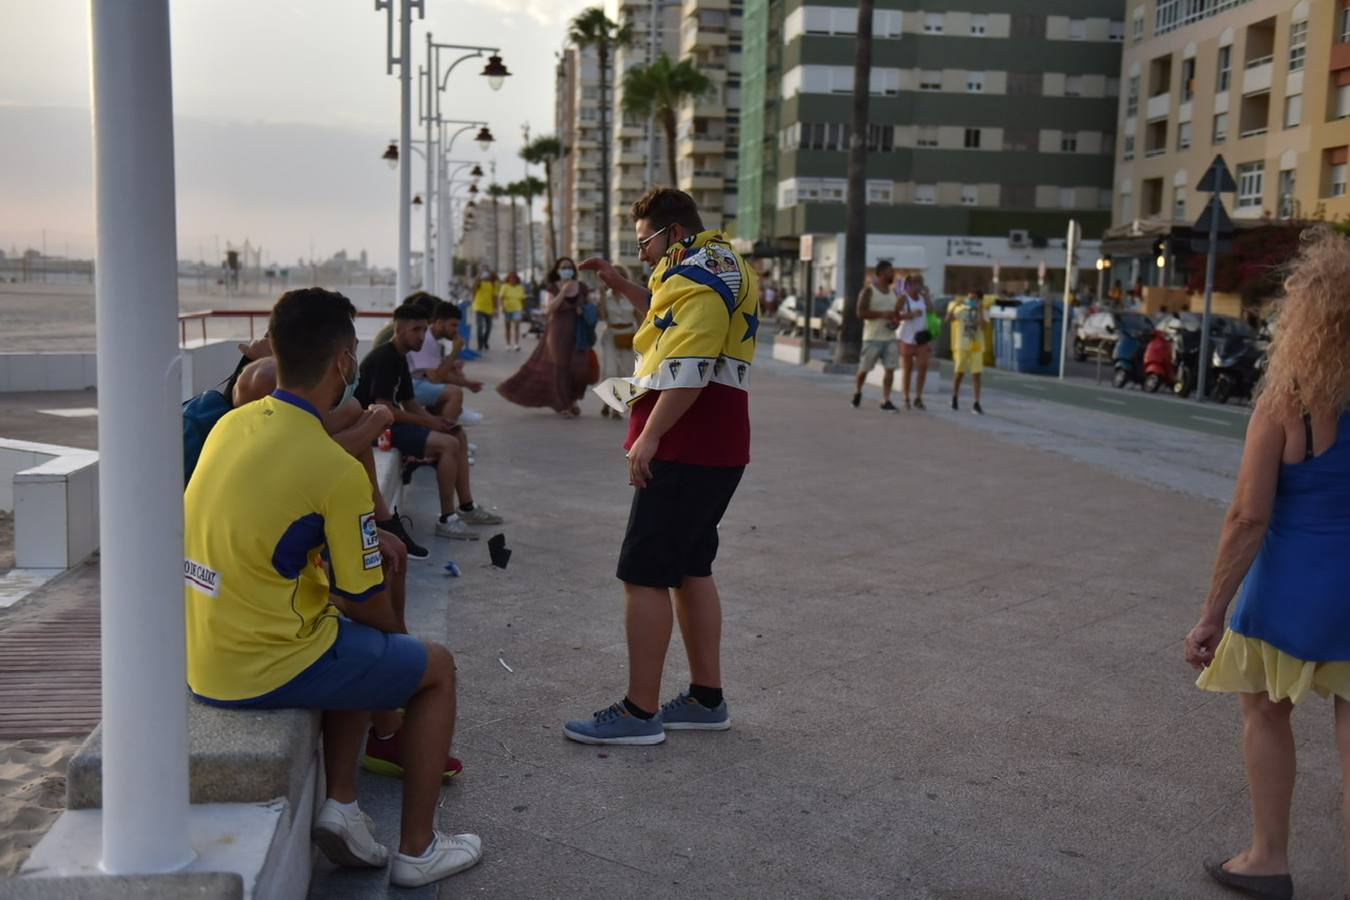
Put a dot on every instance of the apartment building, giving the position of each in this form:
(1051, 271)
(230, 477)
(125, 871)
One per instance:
(580, 217)
(1265, 83)
(992, 125)
(485, 238)
(638, 147)
(708, 145)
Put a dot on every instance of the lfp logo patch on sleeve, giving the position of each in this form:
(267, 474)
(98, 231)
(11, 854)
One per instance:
(370, 535)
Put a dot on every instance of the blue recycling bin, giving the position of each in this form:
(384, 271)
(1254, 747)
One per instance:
(1027, 347)
(1002, 319)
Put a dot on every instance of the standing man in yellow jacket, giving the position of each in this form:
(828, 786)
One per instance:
(688, 445)
(484, 307)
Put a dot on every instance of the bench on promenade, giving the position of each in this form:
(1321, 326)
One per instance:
(259, 769)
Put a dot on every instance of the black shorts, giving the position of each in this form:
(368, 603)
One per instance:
(672, 527)
(410, 440)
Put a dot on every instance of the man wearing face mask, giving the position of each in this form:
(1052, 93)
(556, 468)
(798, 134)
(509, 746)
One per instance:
(688, 445)
(272, 497)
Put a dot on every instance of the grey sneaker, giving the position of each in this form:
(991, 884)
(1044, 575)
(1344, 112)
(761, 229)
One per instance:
(455, 530)
(684, 713)
(479, 515)
(345, 838)
(615, 725)
(447, 855)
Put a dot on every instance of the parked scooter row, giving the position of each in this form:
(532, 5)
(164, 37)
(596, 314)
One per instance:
(1169, 357)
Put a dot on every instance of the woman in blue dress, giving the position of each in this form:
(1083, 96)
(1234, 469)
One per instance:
(1285, 554)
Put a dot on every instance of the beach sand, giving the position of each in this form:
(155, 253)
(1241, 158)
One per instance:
(32, 794)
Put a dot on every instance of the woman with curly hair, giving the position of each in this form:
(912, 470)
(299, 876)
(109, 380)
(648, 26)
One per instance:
(1283, 553)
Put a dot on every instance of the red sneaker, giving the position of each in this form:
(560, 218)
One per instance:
(384, 757)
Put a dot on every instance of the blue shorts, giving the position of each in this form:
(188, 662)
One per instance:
(427, 393)
(511, 316)
(364, 669)
(410, 439)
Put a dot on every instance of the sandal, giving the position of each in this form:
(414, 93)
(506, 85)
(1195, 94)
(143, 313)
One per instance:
(1268, 887)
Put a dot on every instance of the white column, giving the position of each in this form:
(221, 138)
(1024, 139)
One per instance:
(403, 286)
(429, 282)
(145, 761)
(445, 250)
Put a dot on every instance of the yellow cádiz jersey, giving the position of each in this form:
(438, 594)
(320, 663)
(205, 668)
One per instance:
(703, 321)
(485, 297)
(271, 495)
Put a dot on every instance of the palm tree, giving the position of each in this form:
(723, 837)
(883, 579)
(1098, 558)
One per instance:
(546, 151)
(496, 192)
(659, 90)
(592, 28)
(512, 192)
(530, 187)
(849, 344)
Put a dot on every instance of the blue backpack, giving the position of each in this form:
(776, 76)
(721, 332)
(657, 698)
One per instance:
(588, 316)
(200, 415)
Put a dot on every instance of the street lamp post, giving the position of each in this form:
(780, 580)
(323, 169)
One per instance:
(145, 753)
(445, 225)
(403, 280)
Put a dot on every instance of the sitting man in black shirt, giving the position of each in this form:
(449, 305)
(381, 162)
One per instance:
(385, 379)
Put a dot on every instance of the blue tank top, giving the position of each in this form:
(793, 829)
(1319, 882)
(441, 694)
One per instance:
(1297, 595)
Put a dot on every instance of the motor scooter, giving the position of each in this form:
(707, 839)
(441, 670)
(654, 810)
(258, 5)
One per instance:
(1159, 366)
(1129, 359)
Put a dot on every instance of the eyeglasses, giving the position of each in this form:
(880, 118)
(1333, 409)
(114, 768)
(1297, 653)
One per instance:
(642, 243)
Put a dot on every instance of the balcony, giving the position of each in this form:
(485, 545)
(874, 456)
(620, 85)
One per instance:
(696, 35)
(1159, 107)
(700, 144)
(692, 7)
(1257, 76)
(1254, 118)
(703, 180)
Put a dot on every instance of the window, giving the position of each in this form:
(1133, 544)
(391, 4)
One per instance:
(1225, 68)
(972, 138)
(1293, 110)
(1343, 20)
(1187, 79)
(1132, 97)
(1127, 152)
(927, 136)
(1184, 136)
(879, 192)
(1078, 29)
(930, 80)
(1067, 199)
(1179, 203)
(1221, 128)
(880, 138)
(1117, 31)
(1251, 179)
(1338, 176)
(933, 23)
(1068, 142)
(979, 25)
(1298, 45)
(1073, 86)
(1343, 101)
(970, 195)
(925, 194)
(975, 82)
(1286, 196)
(1139, 23)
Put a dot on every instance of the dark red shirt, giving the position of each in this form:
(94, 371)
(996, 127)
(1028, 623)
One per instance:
(715, 431)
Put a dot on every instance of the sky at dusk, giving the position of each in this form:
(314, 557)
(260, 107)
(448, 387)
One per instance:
(282, 110)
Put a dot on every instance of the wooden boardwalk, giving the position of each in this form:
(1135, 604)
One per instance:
(49, 661)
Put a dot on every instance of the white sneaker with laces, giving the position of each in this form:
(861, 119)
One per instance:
(345, 838)
(447, 855)
(455, 529)
(479, 515)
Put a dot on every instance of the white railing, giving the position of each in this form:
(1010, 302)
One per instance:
(1174, 14)
(1260, 61)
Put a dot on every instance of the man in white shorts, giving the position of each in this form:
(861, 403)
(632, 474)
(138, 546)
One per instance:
(877, 305)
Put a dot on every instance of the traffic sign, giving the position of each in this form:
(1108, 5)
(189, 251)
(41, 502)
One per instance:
(805, 247)
(1202, 246)
(1214, 208)
(1217, 179)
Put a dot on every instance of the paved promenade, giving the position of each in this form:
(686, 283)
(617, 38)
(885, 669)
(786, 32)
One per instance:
(952, 656)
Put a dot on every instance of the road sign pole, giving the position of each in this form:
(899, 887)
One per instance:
(1203, 366)
(1070, 272)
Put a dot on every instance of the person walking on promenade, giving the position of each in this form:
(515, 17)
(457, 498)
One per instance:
(688, 445)
(557, 372)
(616, 345)
(273, 494)
(967, 346)
(914, 337)
(1282, 552)
(511, 297)
(878, 308)
(484, 307)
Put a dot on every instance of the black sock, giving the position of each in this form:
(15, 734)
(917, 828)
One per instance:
(445, 517)
(706, 696)
(636, 711)
(466, 507)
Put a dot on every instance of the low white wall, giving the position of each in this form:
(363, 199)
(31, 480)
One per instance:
(23, 372)
(53, 492)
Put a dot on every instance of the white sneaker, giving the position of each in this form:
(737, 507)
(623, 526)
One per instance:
(469, 417)
(447, 855)
(479, 515)
(345, 838)
(455, 529)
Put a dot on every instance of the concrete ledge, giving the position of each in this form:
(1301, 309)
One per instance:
(53, 491)
(389, 476)
(235, 756)
(190, 886)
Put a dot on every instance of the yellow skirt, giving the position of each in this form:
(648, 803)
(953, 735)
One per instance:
(1250, 666)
